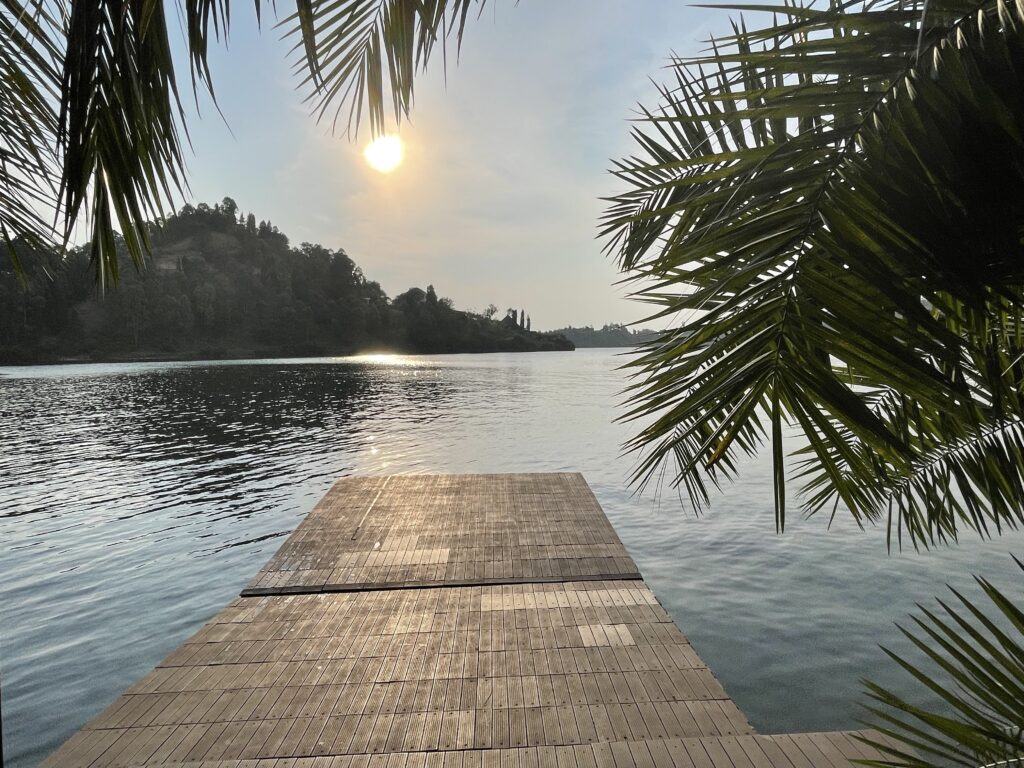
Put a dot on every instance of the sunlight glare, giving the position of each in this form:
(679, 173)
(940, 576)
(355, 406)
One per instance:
(385, 153)
(385, 358)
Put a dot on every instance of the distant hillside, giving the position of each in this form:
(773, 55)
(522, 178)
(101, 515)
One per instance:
(222, 285)
(607, 336)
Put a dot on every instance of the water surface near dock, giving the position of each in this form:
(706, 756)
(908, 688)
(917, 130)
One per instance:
(137, 500)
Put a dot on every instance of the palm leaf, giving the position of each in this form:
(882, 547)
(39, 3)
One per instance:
(29, 39)
(811, 194)
(358, 55)
(119, 133)
(973, 668)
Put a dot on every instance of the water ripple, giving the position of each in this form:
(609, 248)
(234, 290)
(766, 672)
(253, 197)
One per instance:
(137, 499)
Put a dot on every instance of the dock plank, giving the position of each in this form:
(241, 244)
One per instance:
(399, 532)
(491, 620)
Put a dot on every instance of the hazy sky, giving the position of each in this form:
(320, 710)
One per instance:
(497, 200)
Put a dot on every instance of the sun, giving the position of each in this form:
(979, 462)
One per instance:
(385, 153)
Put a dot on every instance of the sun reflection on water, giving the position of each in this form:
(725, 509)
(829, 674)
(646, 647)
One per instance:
(390, 359)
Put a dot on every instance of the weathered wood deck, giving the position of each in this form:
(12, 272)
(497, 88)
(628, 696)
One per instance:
(460, 621)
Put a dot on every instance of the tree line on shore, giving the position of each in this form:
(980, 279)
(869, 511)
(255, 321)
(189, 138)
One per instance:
(221, 284)
(609, 335)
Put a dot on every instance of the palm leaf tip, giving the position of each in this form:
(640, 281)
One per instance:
(969, 704)
(363, 56)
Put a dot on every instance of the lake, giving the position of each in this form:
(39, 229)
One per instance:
(137, 499)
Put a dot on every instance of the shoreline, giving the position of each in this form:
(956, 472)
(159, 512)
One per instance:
(219, 355)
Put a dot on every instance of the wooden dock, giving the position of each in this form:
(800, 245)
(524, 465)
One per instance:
(454, 621)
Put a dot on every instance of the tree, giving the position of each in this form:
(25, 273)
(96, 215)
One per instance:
(490, 312)
(972, 663)
(133, 298)
(828, 257)
(228, 207)
(231, 295)
(411, 298)
(204, 304)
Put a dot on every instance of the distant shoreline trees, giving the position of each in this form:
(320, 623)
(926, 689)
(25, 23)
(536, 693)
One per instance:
(221, 284)
(611, 335)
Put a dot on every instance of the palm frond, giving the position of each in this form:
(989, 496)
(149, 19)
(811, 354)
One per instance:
(811, 194)
(91, 120)
(29, 48)
(358, 55)
(119, 124)
(973, 668)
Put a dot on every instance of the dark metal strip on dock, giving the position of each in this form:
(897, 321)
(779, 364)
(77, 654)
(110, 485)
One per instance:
(442, 622)
(391, 585)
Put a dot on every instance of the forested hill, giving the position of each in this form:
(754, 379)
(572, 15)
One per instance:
(222, 285)
(607, 336)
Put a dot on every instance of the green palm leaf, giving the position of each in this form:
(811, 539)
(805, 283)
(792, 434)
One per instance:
(359, 54)
(119, 133)
(973, 667)
(824, 198)
(28, 123)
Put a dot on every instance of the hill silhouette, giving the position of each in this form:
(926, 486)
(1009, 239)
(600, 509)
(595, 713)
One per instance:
(222, 285)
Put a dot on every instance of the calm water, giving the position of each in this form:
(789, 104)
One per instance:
(136, 500)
